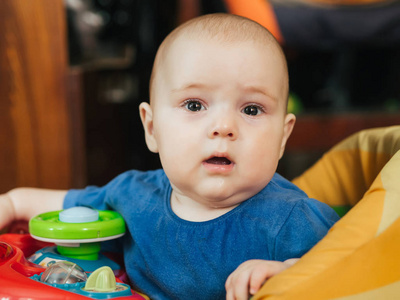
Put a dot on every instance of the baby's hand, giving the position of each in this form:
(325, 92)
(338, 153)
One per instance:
(248, 278)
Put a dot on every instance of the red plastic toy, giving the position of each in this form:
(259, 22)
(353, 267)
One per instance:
(16, 272)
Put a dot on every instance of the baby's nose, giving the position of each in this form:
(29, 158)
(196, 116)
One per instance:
(225, 127)
(225, 132)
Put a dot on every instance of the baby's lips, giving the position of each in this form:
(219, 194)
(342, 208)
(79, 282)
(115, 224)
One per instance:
(215, 160)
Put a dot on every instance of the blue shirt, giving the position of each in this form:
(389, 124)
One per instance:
(170, 258)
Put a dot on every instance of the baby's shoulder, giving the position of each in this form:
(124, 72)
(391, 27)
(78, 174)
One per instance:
(281, 191)
(140, 179)
(280, 197)
(134, 184)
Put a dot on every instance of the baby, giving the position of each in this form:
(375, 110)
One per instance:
(217, 117)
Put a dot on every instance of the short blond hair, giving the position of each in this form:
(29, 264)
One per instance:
(226, 28)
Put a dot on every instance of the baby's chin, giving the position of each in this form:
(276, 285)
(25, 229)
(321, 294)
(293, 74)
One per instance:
(219, 192)
(222, 199)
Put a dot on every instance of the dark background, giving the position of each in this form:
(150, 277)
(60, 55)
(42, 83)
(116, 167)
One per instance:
(331, 81)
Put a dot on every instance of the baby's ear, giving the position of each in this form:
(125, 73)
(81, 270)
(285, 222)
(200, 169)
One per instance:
(290, 120)
(146, 115)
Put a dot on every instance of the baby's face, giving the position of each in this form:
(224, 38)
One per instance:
(219, 119)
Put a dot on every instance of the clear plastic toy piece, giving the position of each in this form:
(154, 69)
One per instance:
(63, 272)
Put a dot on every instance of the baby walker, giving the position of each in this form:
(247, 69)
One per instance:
(61, 258)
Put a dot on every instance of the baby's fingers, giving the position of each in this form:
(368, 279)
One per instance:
(237, 286)
(258, 277)
(266, 269)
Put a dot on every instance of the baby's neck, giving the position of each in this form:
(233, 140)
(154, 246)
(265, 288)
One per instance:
(194, 211)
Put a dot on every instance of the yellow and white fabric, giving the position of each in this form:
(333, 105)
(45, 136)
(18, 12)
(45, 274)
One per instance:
(360, 256)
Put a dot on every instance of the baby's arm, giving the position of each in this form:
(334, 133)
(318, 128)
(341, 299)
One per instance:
(248, 278)
(25, 203)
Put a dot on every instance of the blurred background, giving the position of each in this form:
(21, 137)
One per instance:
(73, 72)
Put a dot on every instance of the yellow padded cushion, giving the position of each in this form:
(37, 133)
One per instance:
(346, 172)
(359, 257)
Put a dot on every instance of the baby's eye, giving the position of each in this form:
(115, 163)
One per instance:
(193, 105)
(252, 110)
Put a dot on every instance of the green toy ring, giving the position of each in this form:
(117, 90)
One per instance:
(47, 227)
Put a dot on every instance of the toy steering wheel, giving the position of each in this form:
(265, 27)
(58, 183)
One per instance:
(77, 231)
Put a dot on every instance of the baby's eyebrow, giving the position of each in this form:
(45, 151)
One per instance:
(251, 89)
(260, 90)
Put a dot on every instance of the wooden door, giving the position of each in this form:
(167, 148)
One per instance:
(38, 147)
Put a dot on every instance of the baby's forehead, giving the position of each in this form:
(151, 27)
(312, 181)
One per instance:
(216, 31)
(184, 45)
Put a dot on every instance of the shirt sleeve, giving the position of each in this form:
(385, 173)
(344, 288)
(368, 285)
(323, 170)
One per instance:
(91, 196)
(126, 186)
(101, 198)
(307, 223)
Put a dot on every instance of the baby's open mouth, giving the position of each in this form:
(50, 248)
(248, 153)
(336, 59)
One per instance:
(218, 161)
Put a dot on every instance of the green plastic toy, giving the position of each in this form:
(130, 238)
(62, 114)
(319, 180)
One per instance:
(77, 231)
